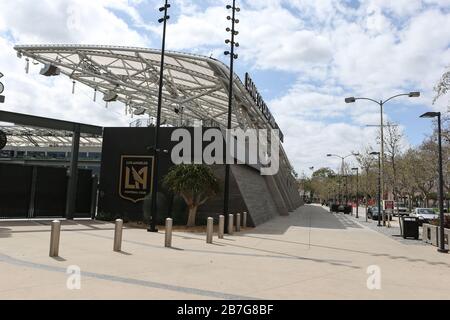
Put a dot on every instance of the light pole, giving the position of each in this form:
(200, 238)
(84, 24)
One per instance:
(343, 161)
(357, 191)
(233, 56)
(381, 103)
(154, 207)
(441, 182)
(379, 186)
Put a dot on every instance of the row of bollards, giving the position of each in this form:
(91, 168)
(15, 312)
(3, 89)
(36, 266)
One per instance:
(118, 230)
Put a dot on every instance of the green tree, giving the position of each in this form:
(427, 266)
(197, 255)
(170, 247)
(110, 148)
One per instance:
(195, 183)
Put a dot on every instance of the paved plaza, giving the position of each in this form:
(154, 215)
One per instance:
(311, 254)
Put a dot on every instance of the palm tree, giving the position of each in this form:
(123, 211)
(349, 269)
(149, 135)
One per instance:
(195, 183)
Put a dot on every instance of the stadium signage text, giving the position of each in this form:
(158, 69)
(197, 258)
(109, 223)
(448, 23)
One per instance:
(2, 98)
(260, 103)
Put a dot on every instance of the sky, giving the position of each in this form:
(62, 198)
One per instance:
(305, 57)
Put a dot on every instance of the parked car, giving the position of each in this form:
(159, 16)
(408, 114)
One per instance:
(373, 214)
(425, 215)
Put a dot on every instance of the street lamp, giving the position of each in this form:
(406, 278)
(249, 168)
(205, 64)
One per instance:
(343, 160)
(441, 181)
(379, 185)
(233, 56)
(153, 210)
(357, 191)
(381, 103)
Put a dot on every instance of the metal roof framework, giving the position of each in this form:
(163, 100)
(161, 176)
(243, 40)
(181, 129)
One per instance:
(25, 136)
(196, 84)
(195, 87)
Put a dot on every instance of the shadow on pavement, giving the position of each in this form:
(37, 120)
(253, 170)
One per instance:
(5, 233)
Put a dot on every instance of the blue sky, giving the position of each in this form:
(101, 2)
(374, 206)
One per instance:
(305, 57)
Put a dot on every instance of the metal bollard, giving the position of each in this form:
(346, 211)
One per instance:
(244, 220)
(238, 222)
(118, 235)
(54, 238)
(221, 226)
(230, 224)
(169, 224)
(210, 230)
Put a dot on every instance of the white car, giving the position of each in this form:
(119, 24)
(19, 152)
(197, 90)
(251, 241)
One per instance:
(401, 209)
(425, 215)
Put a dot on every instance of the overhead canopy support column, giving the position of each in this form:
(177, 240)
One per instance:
(73, 174)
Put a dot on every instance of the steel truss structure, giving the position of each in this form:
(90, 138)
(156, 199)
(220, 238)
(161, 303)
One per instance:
(23, 136)
(195, 87)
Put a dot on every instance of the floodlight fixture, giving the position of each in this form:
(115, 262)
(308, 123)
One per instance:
(430, 115)
(110, 96)
(350, 100)
(140, 111)
(50, 70)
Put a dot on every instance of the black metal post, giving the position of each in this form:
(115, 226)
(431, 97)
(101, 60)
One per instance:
(441, 192)
(367, 192)
(379, 190)
(73, 174)
(230, 105)
(346, 190)
(154, 206)
(357, 192)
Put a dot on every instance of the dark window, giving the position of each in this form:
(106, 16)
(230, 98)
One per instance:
(82, 155)
(6, 154)
(36, 154)
(95, 155)
(56, 155)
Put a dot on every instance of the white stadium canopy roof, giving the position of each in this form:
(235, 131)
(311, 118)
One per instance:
(27, 136)
(195, 85)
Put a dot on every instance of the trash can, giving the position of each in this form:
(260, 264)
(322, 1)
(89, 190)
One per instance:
(410, 227)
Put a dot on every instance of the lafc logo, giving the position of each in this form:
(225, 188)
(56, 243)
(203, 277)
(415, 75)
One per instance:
(135, 180)
(136, 177)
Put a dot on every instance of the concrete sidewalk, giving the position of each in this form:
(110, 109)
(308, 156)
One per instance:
(311, 254)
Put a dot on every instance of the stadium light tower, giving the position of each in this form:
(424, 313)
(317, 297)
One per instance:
(154, 207)
(233, 56)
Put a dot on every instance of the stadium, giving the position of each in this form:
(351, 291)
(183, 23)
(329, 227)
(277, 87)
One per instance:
(195, 94)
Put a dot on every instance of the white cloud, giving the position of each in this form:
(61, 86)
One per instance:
(58, 21)
(334, 50)
(69, 21)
